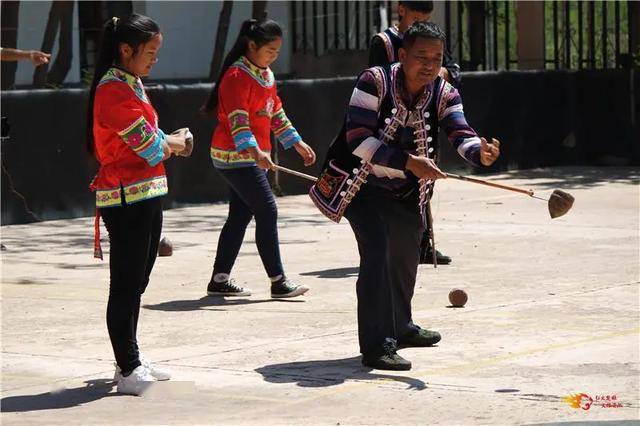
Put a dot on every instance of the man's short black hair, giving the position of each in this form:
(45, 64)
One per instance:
(418, 6)
(421, 29)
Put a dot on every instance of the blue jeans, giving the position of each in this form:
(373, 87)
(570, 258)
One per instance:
(249, 196)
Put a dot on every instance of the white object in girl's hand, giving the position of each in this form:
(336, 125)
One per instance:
(188, 144)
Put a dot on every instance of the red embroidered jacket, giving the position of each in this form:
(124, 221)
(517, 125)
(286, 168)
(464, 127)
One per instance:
(248, 110)
(128, 142)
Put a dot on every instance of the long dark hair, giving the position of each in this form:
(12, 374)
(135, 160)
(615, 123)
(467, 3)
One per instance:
(133, 30)
(260, 33)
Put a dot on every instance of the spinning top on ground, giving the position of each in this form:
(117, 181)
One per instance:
(165, 248)
(458, 298)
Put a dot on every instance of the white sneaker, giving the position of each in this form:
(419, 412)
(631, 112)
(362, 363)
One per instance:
(157, 372)
(118, 374)
(135, 383)
(154, 370)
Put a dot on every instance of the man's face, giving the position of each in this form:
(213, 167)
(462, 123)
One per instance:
(409, 16)
(422, 61)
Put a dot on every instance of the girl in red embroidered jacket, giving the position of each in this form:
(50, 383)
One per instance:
(248, 110)
(130, 147)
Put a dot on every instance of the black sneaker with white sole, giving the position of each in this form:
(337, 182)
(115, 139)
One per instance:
(227, 288)
(284, 288)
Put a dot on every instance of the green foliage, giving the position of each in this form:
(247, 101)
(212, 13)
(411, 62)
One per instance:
(577, 34)
(599, 50)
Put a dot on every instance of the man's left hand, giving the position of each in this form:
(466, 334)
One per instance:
(489, 152)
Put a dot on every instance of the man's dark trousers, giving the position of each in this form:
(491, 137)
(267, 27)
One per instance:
(388, 231)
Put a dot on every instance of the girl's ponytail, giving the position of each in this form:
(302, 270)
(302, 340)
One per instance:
(106, 57)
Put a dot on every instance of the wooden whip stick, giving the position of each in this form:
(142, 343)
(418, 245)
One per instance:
(295, 173)
(493, 184)
(559, 203)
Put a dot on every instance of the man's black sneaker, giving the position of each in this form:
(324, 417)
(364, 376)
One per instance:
(386, 362)
(226, 288)
(284, 288)
(420, 338)
(388, 359)
(426, 257)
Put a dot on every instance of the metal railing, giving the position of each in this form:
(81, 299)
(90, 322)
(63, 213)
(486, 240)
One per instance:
(578, 34)
(319, 27)
(482, 35)
(593, 34)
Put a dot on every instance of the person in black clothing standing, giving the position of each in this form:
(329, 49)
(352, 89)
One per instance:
(379, 174)
(384, 51)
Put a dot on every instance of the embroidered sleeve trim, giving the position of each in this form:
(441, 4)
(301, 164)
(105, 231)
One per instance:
(283, 130)
(144, 140)
(241, 133)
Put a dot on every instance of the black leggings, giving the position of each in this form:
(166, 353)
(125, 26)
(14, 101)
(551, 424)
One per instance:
(250, 196)
(134, 235)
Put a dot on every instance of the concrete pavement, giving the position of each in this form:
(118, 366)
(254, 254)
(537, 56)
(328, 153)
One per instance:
(553, 312)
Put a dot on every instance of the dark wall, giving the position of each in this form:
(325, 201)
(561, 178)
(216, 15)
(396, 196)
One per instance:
(44, 157)
(541, 118)
(555, 118)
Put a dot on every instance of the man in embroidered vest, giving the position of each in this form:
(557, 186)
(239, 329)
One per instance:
(384, 51)
(379, 174)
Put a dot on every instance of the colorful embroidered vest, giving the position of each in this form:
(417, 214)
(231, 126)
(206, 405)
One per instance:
(413, 130)
(392, 40)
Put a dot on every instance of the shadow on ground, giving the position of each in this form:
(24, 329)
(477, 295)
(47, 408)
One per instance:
(64, 398)
(322, 373)
(347, 272)
(206, 302)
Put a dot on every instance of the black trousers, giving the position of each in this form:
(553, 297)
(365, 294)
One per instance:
(250, 196)
(134, 235)
(388, 231)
